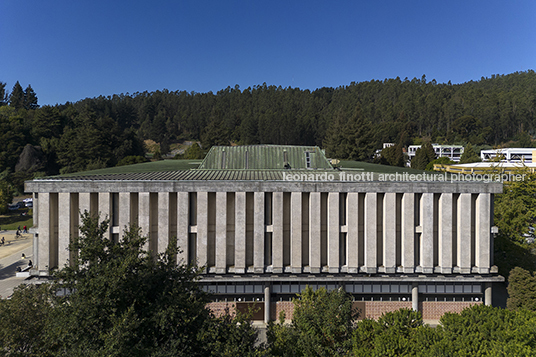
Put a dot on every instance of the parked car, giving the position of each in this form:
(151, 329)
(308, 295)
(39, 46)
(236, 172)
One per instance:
(15, 206)
(29, 204)
(26, 200)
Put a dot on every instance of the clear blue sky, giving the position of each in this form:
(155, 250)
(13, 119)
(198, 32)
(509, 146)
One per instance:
(70, 50)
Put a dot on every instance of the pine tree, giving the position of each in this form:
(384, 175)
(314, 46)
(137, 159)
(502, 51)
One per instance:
(334, 139)
(3, 94)
(423, 156)
(30, 98)
(16, 98)
(521, 290)
(357, 137)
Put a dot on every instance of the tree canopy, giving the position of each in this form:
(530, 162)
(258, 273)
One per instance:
(116, 299)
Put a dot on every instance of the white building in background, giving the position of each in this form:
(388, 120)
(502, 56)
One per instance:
(509, 155)
(453, 152)
(378, 152)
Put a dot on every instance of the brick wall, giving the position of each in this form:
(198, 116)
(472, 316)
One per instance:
(222, 307)
(433, 310)
(277, 307)
(375, 309)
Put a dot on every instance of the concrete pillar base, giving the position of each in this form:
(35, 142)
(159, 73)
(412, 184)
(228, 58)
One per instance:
(415, 297)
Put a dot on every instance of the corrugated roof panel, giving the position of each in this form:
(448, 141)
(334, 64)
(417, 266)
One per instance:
(261, 157)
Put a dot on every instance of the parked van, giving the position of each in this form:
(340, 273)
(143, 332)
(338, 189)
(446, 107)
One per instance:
(15, 206)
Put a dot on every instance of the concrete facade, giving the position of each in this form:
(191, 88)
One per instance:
(411, 242)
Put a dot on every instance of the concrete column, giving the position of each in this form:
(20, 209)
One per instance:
(415, 296)
(54, 216)
(84, 202)
(104, 205)
(44, 231)
(314, 232)
(202, 229)
(427, 237)
(267, 304)
(36, 211)
(64, 227)
(371, 232)
(104, 210)
(182, 226)
(258, 232)
(353, 232)
(445, 233)
(36, 224)
(483, 233)
(333, 232)
(389, 232)
(464, 233)
(487, 294)
(163, 221)
(144, 202)
(221, 232)
(296, 232)
(124, 211)
(408, 232)
(240, 233)
(277, 235)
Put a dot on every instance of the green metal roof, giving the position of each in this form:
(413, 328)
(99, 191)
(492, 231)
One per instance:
(265, 157)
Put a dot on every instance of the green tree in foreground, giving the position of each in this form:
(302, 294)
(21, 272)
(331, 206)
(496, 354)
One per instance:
(120, 300)
(23, 320)
(321, 326)
(486, 331)
(515, 208)
(521, 290)
(398, 333)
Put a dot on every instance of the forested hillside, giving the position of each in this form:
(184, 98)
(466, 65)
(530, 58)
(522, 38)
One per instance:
(348, 121)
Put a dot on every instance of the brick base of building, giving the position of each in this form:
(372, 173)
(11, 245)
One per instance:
(375, 309)
(431, 310)
(221, 308)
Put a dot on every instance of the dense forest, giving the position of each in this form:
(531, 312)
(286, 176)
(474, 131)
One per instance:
(350, 122)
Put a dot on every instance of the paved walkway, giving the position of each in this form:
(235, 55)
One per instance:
(11, 258)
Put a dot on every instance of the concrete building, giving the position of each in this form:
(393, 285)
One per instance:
(509, 155)
(265, 232)
(453, 152)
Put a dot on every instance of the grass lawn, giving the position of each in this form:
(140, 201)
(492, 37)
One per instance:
(13, 219)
